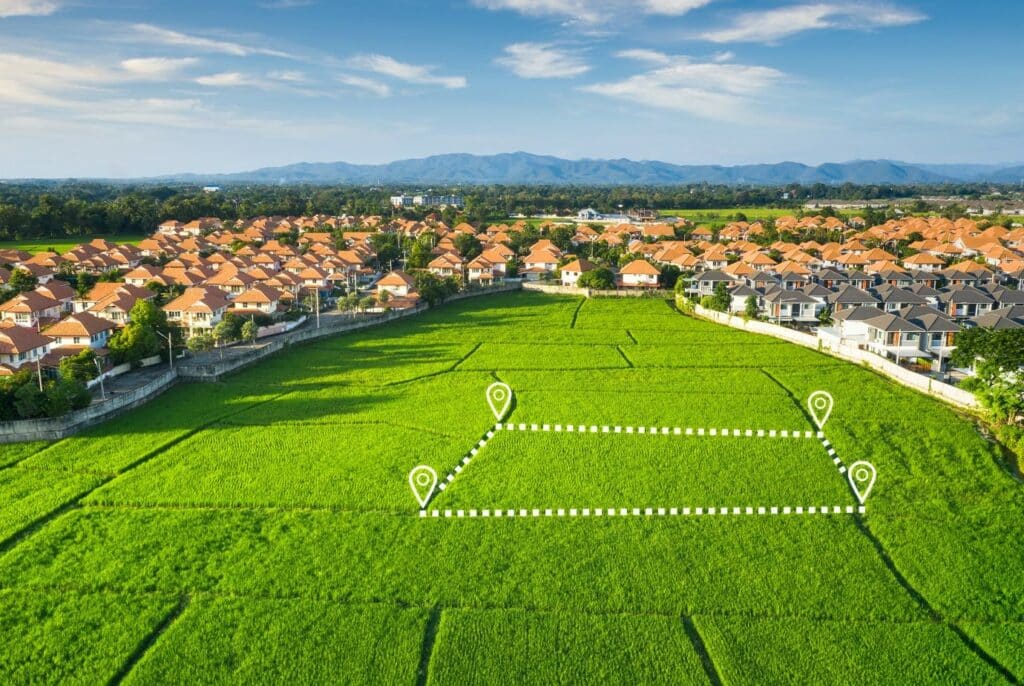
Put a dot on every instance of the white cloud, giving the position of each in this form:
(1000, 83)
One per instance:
(712, 90)
(593, 11)
(642, 55)
(541, 61)
(362, 83)
(285, 4)
(412, 73)
(147, 33)
(28, 8)
(769, 26)
(34, 81)
(157, 67)
(229, 79)
(287, 76)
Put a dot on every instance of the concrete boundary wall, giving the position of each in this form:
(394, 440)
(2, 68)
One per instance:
(937, 389)
(555, 289)
(61, 427)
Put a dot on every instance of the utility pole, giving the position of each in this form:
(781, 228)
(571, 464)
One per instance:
(318, 307)
(170, 347)
(99, 368)
(39, 373)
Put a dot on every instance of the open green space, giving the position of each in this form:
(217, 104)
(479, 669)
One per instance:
(62, 244)
(262, 530)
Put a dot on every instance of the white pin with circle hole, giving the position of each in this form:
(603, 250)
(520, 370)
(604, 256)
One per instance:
(862, 477)
(423, 481)
(499, 397)
(820, 404)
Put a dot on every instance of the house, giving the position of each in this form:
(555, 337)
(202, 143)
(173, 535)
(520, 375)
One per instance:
(259, 299)
(448, 264)
(538, 264)
(61, 292)
(925, 262)
(396, 283)
(890, 335)
(739, 295)
(1011, 317)
(113, 301)
(82, 330)
(21, 345)
(572, 271)
(940, 331)
(639, 274)
(31, 309)
(198, 309)
(965, 302)
(705, 283)
(783, 305)
(480, 270)
(848, 297)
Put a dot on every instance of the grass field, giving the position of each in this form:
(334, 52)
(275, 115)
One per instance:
(64, 243)
(262, 529)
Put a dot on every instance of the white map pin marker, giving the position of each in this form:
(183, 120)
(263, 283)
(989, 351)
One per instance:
(862, 478)
(499, 397)
(820, 404)
(422, 480)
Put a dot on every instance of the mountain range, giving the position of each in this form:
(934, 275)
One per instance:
(526, 168)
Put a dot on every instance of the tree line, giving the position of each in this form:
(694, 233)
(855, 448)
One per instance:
(73, 208)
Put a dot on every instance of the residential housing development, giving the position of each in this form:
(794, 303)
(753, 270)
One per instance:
(903, 289)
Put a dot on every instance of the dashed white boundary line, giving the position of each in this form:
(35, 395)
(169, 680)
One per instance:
(509, 513)
(646, 511)
(661, 430)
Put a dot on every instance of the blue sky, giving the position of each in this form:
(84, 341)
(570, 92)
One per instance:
(130, 87)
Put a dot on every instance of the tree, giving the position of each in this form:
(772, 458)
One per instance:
(367, 302)
(29, 401)
(80, 367)
(468, 246)
(420, 254)
(750, 309)
(997, 358)
(133, 343)
(385, 245)
(145, 313)
(65, 395)
(200, 343)
(720, 301)
(432, 288)
(669, 276)
(224, 331)
(21, 281)
(249, 331)
(561, 236)
(600, 279)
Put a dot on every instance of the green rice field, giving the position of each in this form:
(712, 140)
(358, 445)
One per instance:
(62, 244)
(262, 529)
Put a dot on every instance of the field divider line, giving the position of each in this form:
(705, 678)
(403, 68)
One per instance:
(76, 501)
(463, 463)
(150, 639)
(668, 613)
(660, 430)
(586, 512)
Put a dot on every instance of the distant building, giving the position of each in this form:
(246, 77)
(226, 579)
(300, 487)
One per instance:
(400, 201)
(634, 216)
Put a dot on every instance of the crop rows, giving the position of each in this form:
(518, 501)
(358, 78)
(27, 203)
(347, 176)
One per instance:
(262, 528)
